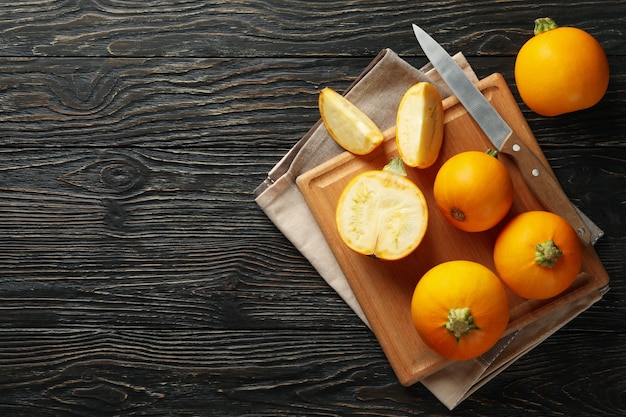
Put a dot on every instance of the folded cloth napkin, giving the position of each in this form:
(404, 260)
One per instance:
(377, 91)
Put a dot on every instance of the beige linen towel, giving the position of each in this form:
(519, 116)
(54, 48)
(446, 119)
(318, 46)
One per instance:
(377, 91)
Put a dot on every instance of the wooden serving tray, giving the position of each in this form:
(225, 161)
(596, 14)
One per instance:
(384, 288)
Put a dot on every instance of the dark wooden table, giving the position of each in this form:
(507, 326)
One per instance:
(139, 277)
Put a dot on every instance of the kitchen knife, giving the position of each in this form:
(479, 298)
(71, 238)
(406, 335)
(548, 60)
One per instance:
(543, 184)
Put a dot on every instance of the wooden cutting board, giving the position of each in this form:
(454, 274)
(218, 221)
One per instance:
(384, 288)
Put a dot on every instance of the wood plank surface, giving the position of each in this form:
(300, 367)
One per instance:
(139, 278)
(285, 27)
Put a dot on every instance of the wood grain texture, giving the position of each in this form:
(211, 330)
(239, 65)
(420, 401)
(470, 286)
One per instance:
(143, 372)
(284, 27)
(139, 278)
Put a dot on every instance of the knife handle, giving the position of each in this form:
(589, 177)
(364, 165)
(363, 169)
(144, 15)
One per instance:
(544, 185)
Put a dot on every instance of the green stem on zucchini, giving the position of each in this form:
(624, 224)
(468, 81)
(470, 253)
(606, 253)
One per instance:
(492, 152)
(460, 322)
(395, 166)
(547, 253)
(544, 24)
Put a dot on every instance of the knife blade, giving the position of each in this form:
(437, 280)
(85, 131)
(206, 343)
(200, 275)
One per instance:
(542, 183)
